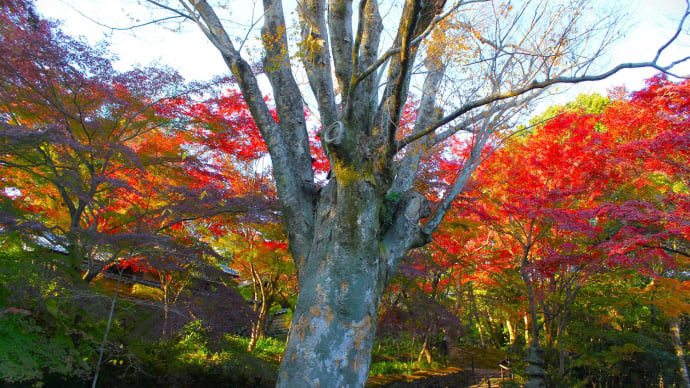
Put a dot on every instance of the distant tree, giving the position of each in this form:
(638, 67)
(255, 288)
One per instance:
(259, 252)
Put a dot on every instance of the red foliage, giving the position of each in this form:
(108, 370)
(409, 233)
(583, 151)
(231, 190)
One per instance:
(583, 191)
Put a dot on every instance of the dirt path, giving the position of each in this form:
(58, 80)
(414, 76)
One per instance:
(457, 376)
(450, 377)
(485, 378)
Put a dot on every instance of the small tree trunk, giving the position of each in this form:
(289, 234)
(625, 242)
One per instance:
(107, 329)
(165, 311)
(678, 345)
(495, 330)
(259, 327)
(425, 352)
(511, 332)
(482, 342)
(258, 330)
(470, 312)
(164, 284)
(458, 292)
(562, 353)
(535, 354)
(548, 337)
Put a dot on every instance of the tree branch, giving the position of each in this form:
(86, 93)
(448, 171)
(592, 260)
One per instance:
(285, 89)
(396, 49)
(340, 31)
(296, 207)
(531, 87)
(92, 20)
(316, 58)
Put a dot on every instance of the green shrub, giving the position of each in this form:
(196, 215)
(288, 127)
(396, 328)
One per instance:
(383, 368)
(46, 338)
(187, 360)
(31, 353)
(268, 349)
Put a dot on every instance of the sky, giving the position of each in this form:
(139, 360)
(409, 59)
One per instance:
(188, 51)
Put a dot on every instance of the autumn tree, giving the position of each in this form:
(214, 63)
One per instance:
(647, 218)
(535, 216)
(98, 158)
(595, 188)
(359, 78)
(68, 121)
(253, 242)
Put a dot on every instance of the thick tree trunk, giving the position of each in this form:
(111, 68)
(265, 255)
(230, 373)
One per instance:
(334, 323)
(341, 283)
(678, 345)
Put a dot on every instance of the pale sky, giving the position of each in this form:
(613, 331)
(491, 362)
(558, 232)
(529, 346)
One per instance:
(194, 57)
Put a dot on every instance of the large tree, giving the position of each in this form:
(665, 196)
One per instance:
(483, 61)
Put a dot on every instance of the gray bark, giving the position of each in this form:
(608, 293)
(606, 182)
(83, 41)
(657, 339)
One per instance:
(316, 58)
(337, 308)
(340, 29)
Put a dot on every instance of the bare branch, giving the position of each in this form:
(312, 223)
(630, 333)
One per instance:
(426, 114)
(316, 58)
(340, 31)
(417, 40)
(360, 102)
(132, 27)
(463, 176)
(249, 30)
(171, 9)
(676, 34)
(531, 87)
(279, 71)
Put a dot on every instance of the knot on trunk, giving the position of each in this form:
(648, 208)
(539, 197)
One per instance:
(416, 207)
(334, 133)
